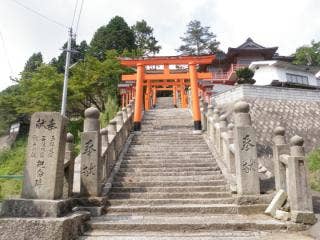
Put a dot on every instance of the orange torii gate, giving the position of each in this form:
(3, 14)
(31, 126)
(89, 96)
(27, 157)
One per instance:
(165, 79)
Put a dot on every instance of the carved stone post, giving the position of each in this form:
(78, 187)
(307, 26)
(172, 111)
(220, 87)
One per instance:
(91, 154)
(299, 191)
(119, 120)
(279, 147)
(104, 137)
(204, 110)
(215, 119)
(245, 151)
(68, 167)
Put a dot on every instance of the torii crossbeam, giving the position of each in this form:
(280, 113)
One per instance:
(165, 79)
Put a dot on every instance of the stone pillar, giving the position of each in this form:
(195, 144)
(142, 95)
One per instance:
(204, 110)
(222, 127)
(129, 110)
(209, 119)
(44, 168)
(112, 130)
(91, 154)
(245, 151)
(279, 147)
(119, 120)
(300, 197)
(228, 156)
(104, 137)
(68, 167)
(124, 114)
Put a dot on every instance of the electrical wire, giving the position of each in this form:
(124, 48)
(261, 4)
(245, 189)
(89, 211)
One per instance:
(40, 14)
(81, 6)
(6, 53)
(74, 13)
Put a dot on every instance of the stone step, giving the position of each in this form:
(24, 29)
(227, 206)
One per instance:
(169, 178)
(168, 183)
(163, 195)
(187, 224)
(160, 168)
(168, 165)
(220, 188)
(162, 173)
(139, 201)
(171, 158)
(134, 235)
(163, 154)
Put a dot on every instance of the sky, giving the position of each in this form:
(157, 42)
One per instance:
(287, 24)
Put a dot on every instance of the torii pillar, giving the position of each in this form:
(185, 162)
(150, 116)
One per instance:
(138, 98)
(195, 96)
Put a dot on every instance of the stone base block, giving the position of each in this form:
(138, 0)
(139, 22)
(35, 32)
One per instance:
(94, 211)
(282, 215)
(64, 228)
(303, 217)
(36, 208)
(91, 201)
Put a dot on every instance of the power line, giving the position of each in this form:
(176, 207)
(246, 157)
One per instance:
(81, 6)
(40, 14)
(74, 12)
(6, 53)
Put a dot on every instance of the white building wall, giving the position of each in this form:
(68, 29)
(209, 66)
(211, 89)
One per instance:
(265, 74)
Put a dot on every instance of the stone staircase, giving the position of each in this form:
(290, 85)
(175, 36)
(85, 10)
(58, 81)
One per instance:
(169, 186)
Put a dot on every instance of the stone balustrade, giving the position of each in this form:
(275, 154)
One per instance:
(100, 148)
(291, 175)
(235, 145)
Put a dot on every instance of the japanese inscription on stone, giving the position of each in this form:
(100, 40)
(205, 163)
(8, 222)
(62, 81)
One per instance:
(90, 145)
(45, 155)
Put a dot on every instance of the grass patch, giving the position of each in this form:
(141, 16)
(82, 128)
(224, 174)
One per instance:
(12, 163)
(314, 166)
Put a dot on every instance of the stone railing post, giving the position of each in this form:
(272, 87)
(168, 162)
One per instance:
(124, 114)
(299, 194)
(91, 154)
(119, 120)
(112, 130)
(245, 151)
(68, 166)
(227, 154)
(204, 110)
(209, 120)
(215, 119)
(222, 127)
(104, 137)
(279, 147)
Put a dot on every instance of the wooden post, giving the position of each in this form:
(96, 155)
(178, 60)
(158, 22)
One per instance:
(195, 96)
(139, 98)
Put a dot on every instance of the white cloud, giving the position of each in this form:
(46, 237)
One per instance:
(284, 23)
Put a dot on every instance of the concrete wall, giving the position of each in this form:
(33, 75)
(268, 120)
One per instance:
(297, 110)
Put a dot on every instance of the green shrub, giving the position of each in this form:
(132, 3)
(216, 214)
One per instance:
(314, 166)
(112, 108)
(245, 76)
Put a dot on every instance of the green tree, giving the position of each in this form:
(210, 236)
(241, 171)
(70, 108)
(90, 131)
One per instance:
(245, 76)
(308, 54)
(116, 35)
(41, 91)
(33, 62)
(80, 51)
(198, 40)
(93, 82)
(144, 38)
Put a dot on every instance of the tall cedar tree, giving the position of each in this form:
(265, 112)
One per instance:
(116, 35)
(33, 62)
(198, 40)
(145, 41)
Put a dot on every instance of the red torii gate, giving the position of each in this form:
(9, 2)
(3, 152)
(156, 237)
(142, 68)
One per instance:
(165, 79)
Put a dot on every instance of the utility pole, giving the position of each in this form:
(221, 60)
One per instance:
(66, 75)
